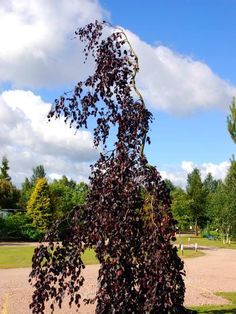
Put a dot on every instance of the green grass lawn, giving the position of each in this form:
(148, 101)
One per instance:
(190, 254)
(204, 242)
(223, 309)
(20, 256)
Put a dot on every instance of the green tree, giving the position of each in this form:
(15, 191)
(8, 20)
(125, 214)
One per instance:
(38, 172)
(215, 203)
(197, 196)
(4, 169)
(169, 185)
(66, 194)
(9, 195)
(25, 193)
(181, 208)
(210, 184)
(40, 205)
(79, 193)
(28, 185)
(230, 206)
(231, 120)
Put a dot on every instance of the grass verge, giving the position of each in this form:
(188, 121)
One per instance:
(20, 256)
(220, 309)
(190, 254)
(204, 242)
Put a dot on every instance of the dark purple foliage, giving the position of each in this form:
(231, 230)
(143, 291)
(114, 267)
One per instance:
(127, 217)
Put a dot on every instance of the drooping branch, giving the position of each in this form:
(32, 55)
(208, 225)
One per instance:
(127, 218)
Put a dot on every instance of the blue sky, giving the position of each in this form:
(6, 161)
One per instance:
(187, 58)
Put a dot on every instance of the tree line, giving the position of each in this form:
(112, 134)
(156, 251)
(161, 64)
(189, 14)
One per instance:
(208, 205)
(38, 203)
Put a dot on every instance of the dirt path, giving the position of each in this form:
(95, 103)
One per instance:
(216, 271)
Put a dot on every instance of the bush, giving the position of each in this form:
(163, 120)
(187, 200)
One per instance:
(212, 235)
(18, 227)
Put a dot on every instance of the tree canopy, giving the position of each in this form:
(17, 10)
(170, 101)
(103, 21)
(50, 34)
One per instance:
(4, 169)
(231, 120)
(40, 205)
(197, 194)
(140, 271)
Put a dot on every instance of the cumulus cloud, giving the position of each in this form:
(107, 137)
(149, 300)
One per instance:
(36, 47)
(178, 84)
(27, 139)
(179, 174)
(37, 51)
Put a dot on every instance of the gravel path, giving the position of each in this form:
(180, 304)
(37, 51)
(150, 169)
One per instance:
(216, 271)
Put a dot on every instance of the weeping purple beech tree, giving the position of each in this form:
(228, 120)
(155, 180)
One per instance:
(127, 217)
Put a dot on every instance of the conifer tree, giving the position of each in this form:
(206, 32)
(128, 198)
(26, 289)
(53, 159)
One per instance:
(40, 206)
(4, 169)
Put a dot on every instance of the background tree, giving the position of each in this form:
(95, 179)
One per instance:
(40, 205)
(4, 169)
(181, 207)
(230, 206)
(210, 184)
(25, 193)
(66, 194)
(9, 194)
(38, 172)
(28, 185)
(140, 271)
(231, 120)
(169, 185)
(197, 196)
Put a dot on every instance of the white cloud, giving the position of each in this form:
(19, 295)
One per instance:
(36, 51)
(178, 84)
(178, 175)
(218, 171)
(27, 139)
(36, 47)
(187, 166)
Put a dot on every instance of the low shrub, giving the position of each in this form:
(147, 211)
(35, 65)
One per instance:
(211, 235)
(18, 227)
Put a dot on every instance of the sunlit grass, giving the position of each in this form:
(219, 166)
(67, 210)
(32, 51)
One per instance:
(220, 309)
(20, 256)
(204, 242)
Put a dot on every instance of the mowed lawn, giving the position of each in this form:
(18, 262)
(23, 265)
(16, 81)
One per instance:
(21, 256)
(191, 240)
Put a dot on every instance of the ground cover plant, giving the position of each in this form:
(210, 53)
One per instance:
(127, 216)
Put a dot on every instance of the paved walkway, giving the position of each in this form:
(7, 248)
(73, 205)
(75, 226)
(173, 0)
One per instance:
(216, 271)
